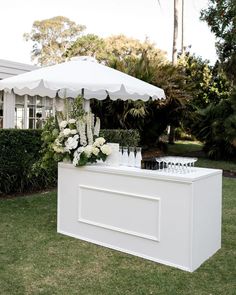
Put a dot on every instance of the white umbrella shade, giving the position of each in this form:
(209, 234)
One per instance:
(68, 79)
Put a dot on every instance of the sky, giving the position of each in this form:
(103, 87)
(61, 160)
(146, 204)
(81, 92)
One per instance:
(133, 18)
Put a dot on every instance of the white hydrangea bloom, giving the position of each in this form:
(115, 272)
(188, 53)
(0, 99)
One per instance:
(95, 151)
(63, 124)
(79, 151)
(72, 121)
(66, 132)
(106, 149)
(71, 143)
(99, 141)
(88, 150)
(73, 131)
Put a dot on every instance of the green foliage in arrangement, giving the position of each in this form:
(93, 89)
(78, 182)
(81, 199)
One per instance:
(19, 150)
(48, 158)
(124, 137)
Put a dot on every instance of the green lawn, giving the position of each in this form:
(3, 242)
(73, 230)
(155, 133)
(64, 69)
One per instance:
(34, 259)
(184, 146)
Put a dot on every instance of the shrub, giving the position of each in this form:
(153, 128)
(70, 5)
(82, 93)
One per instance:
(216, 127)
(19, 150)
(125, 137)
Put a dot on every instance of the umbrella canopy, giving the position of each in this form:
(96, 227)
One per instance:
(81, 76)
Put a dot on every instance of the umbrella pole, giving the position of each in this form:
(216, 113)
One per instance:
(87, 105)
(86, 102)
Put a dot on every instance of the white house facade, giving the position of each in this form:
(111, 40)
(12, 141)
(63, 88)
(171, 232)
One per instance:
(10, 108)
(25, 111)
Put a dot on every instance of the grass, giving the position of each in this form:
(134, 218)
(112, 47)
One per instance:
(34, 259)
(180, 147)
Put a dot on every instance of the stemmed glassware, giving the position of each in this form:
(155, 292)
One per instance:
(176, 164)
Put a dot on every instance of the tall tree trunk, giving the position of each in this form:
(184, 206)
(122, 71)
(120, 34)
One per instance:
(176, 31)
(174, 55)
(182, 29)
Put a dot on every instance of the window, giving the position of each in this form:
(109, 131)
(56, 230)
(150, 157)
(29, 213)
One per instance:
(19, 112)
(32, 111)
(48, 107)
(35, 112)
(1, 109)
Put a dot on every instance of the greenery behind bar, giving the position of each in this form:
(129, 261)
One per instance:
(20, 155)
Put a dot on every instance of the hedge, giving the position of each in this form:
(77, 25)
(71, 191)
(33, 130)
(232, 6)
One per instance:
(19, 150)
(125, 137)
(20, 155)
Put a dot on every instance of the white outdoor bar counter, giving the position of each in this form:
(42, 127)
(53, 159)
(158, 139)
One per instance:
(174, 219)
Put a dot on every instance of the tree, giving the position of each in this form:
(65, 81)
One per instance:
(174, 56)
(175, 32)
(216, 127)
(219, 129)
(89, 44)
(51, 38)
(211, 111)
(221, 18)
(150, 118)
(208, 84)
(123, 53)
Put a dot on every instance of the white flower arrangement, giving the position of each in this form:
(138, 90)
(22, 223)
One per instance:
(81, 126)
(63, 124)
(71, 121)
(79, 141)
(89, 119)
(66, 132)
(106, 149)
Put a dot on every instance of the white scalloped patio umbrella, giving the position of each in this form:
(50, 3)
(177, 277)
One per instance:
(81, 76)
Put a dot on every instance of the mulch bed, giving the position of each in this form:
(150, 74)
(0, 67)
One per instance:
(26, 194)
(229, 173)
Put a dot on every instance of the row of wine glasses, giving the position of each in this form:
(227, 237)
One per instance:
(176, 164)
(130, 156)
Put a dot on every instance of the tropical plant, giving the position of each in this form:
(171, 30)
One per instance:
(216, 127)
(150, 118)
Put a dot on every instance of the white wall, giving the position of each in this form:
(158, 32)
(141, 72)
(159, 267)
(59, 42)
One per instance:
(11, 68)
(8, 110)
